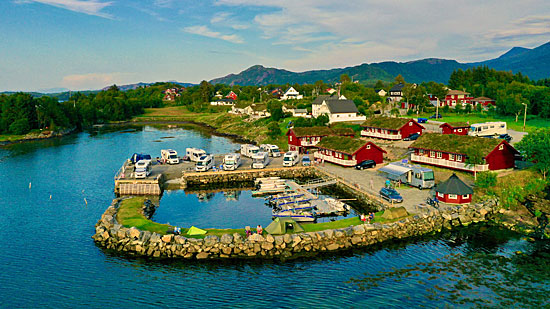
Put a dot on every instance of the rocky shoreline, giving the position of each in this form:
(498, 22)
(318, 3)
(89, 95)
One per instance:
(37, 137)
(132, 241)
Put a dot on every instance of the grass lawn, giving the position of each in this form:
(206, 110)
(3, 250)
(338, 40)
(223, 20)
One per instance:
(511, 123)
(15, 137)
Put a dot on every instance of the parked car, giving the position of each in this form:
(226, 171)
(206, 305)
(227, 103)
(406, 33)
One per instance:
(306, 161)
(436, 116)
(422, 120)
(365, 164)
(412, 137)
(505, 137)
(391, 195)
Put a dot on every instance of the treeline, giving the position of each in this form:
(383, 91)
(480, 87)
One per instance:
(21, 113)
(511, 91)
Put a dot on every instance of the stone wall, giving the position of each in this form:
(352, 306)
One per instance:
(111, 235)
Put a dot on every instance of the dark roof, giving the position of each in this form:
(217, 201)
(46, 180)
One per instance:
(454, 185)
(459, 144)
(457, 124)
(457, 92)
(482, 99)
(341, 106)
(385, 123)
(397, 87)
(319, 99)
(311, 131)
(347, 145)
(300, 110)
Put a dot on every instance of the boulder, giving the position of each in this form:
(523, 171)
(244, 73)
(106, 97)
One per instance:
(134, 233)
(256, 238)
(167, 238)
(155, 238)
(226, 239)
(332, 246)
(358, 229)
(211, 240)
(269, 239)
(202, 255)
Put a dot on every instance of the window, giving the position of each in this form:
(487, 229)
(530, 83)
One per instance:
(410, 124)
(439, 155)
(290, 138)
(466, 196)
(421, 151)
(453, 196)
(459, 158)
(368, 146)
(451, 157)
(459, 130)
(501, 147)
(439, 194)
(432, 153)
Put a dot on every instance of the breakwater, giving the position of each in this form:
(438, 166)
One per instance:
(132, 241)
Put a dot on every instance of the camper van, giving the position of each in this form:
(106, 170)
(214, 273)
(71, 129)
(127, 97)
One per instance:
(143, 169)
(272, 150)
(249, 150)
(290, 158)
(260, 160)
(169, 156)
(194, 154)
(231, 161)
(140, 156)
(413, 175)
(488, 129)
(204, 163)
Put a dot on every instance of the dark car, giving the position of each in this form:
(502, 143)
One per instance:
(422, 120)
(505, 137)
(391, 195)
(365, 164)
(436, 116)
(412, 137)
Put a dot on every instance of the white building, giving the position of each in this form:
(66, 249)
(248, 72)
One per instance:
(337, 109)
(291, 94)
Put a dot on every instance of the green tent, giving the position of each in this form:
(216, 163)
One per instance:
(394, 213)
(282, 225)
(195, 231)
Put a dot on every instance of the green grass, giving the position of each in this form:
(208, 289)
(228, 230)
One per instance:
(531, 124)
(16, 137)
(129, 214)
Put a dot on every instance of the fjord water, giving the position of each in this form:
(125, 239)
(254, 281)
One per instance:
(49, 259)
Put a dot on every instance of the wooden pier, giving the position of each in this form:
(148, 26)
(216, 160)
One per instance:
(127, 184)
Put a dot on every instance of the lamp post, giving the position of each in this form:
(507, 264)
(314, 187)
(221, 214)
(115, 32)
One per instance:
(524, 116)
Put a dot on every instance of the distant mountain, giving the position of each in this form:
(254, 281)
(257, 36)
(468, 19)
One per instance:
(141, 84)
(534, 63)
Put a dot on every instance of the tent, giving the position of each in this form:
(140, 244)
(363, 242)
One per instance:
(394, 213)
(282, 225)
(195, 231)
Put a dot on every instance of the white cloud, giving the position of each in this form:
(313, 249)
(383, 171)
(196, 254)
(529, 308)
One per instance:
(228, 20)
(93, 80)
(90, 7)
(163, 3)
(207, 32)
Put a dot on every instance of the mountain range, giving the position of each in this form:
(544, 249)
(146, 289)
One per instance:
(534, 63)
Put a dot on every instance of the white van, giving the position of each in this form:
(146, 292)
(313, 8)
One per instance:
(169, 156)
(260, 160)
(194, 153)
(290, 158)
(249, 150)
(143, 169)
(231, 161)
(272, 150)
(488, 129)
(204, 163)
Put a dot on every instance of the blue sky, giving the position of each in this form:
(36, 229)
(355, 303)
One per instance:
(89, 44)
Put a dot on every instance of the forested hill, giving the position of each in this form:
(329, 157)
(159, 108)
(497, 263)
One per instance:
(534, 63)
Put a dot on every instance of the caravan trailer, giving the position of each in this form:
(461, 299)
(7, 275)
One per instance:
(231, 161)
(249, 150)
(290, 158)
(143, 169)
(169, 156)
(413, 175)
(272, 150)
(194, 153)
(204, 163)
(260, 160)
(488, 129)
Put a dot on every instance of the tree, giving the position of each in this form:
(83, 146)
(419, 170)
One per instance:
(379, 85)
(205, 90)
(474, 156)
(273, 130)
(275, 108)
(344, 78)
(399, 79)
(535, 147)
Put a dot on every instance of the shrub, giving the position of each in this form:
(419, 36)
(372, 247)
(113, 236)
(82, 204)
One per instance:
(486, 180)
(20, 126)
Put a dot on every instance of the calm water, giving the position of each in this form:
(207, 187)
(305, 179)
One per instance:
(48, 258)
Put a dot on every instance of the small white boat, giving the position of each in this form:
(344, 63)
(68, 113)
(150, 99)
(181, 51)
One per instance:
(337, 205)
(298, 216)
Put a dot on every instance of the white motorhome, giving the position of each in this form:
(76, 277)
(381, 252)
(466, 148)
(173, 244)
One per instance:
(194, 153)
(488, 129)
(249, 150)
(143, 169)
(272, 150)
(231, 161)
(204, 163)
(169, 156)
(290, 158)
(260, 160)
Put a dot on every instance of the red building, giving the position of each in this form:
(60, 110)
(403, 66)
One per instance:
(454, 191)
(231, 95)
(484, 101)
(300, 139)
(390, 128)
(348, 151)
(458, 128)
(450, 151)
(455, 97)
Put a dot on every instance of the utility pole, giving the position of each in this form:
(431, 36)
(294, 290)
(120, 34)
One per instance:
(524, 116)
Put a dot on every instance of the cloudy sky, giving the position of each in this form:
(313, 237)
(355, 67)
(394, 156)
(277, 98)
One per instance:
(88, 44)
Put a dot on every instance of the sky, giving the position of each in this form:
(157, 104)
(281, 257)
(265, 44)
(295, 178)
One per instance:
(90, 44)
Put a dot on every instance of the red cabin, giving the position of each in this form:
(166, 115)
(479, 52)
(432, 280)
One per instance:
(390, 128)
(454, 191)
(299, 139)
(348, 151)
(450, 151)
(458, 128)
(455, 97)
(484, 101)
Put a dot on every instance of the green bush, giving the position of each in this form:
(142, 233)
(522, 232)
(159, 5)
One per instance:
(20, 126)
(486, 180)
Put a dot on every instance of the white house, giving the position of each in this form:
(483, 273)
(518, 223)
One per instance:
(337, 109)
(296, 112)
(381, 92)
(223, 102)
(291, 94)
